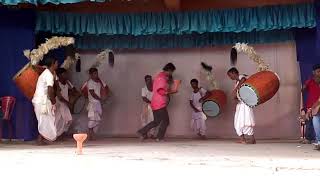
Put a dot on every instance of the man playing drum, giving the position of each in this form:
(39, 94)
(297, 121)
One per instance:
(95, 86)
(63, 114)
(198, 95)
(244, 118)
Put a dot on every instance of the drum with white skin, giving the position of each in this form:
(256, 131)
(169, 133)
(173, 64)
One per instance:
(215, 103)
(259, 88)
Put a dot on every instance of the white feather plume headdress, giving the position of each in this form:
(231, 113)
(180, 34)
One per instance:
(36, 55)
(249, 50)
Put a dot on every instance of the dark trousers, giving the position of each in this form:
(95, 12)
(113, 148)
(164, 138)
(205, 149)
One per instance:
(310, 134)
(161, 117)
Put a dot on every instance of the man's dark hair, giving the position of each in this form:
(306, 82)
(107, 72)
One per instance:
(233, 70)
(169, 67)
(315, 67)
(194, 80)
(60, 71)
(92, 70)
(147, 76)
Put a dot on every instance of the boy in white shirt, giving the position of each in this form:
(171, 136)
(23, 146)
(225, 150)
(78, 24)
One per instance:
(198, 95)
(95, 85)
(147, 114)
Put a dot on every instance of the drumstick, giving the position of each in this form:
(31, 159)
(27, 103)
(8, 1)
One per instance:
(301, 100)
(69, 84)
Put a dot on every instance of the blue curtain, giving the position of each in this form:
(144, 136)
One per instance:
(308, 54)
(16, 34)
(231, 20)
(180, 41)
(15, 2)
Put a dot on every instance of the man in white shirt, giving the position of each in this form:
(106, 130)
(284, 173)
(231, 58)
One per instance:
(44, 102)
(63, 114)
(147, 114)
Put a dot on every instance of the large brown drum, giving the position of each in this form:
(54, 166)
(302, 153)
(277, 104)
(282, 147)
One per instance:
(259, 88)
(215, 103)
(26, 79)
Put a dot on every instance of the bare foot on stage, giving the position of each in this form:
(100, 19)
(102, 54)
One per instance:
(142, 137)
(92, 137)
(242, 140)
(252, 140)
(203, 137)
(41, 141)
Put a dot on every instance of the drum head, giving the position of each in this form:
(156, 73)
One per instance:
(211, 108)
(248, 95)
(79, 105)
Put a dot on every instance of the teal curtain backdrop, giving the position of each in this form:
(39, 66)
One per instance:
(231, 20)
(180, 41)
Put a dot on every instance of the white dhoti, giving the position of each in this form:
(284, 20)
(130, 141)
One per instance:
(94, 114)
(147, 117)
(198, 123)
(244, 120)
(46, 120)
(63, 118)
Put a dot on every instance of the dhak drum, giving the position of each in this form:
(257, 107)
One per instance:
(215, 103)
(7, 104)
(74, 96)
(259, 88)
(79, 105)
(26, 79)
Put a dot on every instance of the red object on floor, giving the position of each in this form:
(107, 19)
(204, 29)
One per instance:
(7, 105)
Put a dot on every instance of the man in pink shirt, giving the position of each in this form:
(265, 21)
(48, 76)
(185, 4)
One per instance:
(159, 103)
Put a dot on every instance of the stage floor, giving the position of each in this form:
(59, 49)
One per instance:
(174, 158)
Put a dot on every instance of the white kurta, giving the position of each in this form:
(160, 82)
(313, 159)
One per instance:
(244, 118)
(63, 114)
(94, 106)
(198, 122)
(147, 114)
(44, 110)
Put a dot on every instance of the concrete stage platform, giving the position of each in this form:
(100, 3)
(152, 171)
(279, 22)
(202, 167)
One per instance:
(124, 158)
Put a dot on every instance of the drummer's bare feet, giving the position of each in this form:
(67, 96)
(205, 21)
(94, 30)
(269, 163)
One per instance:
(199, 135)
(92, 136)
(152, 136)
(62, 137)
(41, 141)
(203, 137)
(252, 140)
(242, 140)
